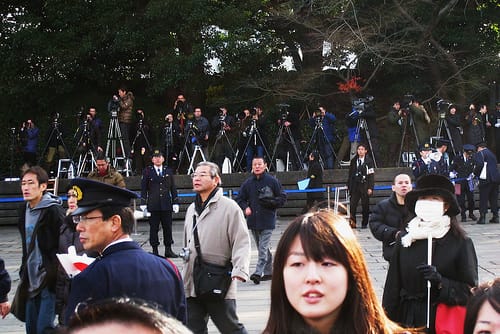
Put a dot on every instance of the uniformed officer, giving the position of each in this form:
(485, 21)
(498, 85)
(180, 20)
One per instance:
(123, 269)
(424, 165)
(158, 189)
(462, 167)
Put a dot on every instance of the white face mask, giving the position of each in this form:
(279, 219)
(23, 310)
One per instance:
(429, 210)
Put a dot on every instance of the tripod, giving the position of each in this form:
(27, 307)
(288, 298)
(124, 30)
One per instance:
(85, 150)
(442, 122)
(320, 141)
(254, 137)
(222, 142)
(407, 122)
(169, 141)
(56, 135)
(12, 149)
(362, 125)
(115, 138)
(283, 132)
(190, 136)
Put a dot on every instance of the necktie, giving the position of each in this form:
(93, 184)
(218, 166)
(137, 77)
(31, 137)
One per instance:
(159, 172)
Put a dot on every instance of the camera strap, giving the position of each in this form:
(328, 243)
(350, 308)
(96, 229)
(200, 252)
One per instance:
(196, 238)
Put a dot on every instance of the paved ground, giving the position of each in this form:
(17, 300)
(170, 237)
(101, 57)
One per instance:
(253, 300)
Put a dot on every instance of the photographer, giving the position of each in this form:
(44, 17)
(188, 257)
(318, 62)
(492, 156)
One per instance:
(396, 118)
(90, 132)
(243, 122)
(421, 120)
(255, 135)
(169, 139)
(197, 132)
(289, 137)
(55, 143)
(370, 117)
(141, 145)
(125, 115)
(29, 134)
(223, 124)
(182, 110)
(325, 120)
(455, 127)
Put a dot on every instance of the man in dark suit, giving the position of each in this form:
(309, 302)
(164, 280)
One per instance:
(488, 183)
(122, 269)
(158, 188)
(360, 183)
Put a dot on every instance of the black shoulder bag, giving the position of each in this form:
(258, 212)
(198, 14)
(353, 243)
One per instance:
(211, 281)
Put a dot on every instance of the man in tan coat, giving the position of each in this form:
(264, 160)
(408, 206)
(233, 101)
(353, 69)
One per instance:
(223, 236)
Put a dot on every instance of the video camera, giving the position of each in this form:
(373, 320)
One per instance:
(407, 100)
(283, 108)
(362, 103)
(114, 106)
(442, 107)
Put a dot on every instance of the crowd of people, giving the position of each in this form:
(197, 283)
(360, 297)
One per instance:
(319, 278)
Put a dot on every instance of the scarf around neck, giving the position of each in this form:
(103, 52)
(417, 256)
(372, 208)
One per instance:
(419, 229)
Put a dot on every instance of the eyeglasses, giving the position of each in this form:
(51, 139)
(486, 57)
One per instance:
(84, 219)
(195, 175)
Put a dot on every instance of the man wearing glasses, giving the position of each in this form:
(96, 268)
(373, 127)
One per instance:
(105, 221)
(223, 236)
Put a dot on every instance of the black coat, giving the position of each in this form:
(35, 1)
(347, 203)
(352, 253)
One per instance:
(405, 291)
(361, 178)
(386, 219)
(159, 191)
(315, 173)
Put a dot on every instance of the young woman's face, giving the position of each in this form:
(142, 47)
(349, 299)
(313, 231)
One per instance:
(316, 290)
(72, 201)
(488, 320)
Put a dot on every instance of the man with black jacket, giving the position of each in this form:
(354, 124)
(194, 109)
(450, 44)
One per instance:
(389, 215)
(360, 183)
(158, 188)
(39, 221)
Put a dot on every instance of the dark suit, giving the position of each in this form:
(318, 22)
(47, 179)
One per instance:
(125, 269)
(160, 193)
(488, 188)
(361, 178)
(464, 167)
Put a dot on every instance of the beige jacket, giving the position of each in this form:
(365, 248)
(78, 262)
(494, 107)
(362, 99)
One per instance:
(223, 234)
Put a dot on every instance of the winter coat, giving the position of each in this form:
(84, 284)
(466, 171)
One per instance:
(474, 129)
(420, 168)
(126, 108)
(112, 177)
(361, 178)
(315, 174)
(456, 130)
(125, 269)
(46, 232)
(387, 218)
(405, 290)
(419, 122)
(159, 191)
(492, 173)
(223, 236)
(262, 217)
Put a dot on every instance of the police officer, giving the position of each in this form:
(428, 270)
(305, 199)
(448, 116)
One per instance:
(158, 189)
(123, 269)
(424, 165)
(441, 157)
(462, 167)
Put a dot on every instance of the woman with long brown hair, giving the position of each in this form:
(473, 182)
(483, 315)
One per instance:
(321, 283)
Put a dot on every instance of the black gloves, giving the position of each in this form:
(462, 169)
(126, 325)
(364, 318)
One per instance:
(430, 273)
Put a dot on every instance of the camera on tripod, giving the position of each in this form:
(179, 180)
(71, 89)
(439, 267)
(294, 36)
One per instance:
(114, 106)
(283, 108)
(442, 107)
(361, 104)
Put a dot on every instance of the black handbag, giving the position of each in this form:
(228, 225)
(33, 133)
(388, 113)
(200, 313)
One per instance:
(18, 306)
(211, 281)
(267, 198)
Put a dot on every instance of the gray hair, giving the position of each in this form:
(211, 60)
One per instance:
(214, 169)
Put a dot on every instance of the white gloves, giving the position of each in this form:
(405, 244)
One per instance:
(175, 208)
